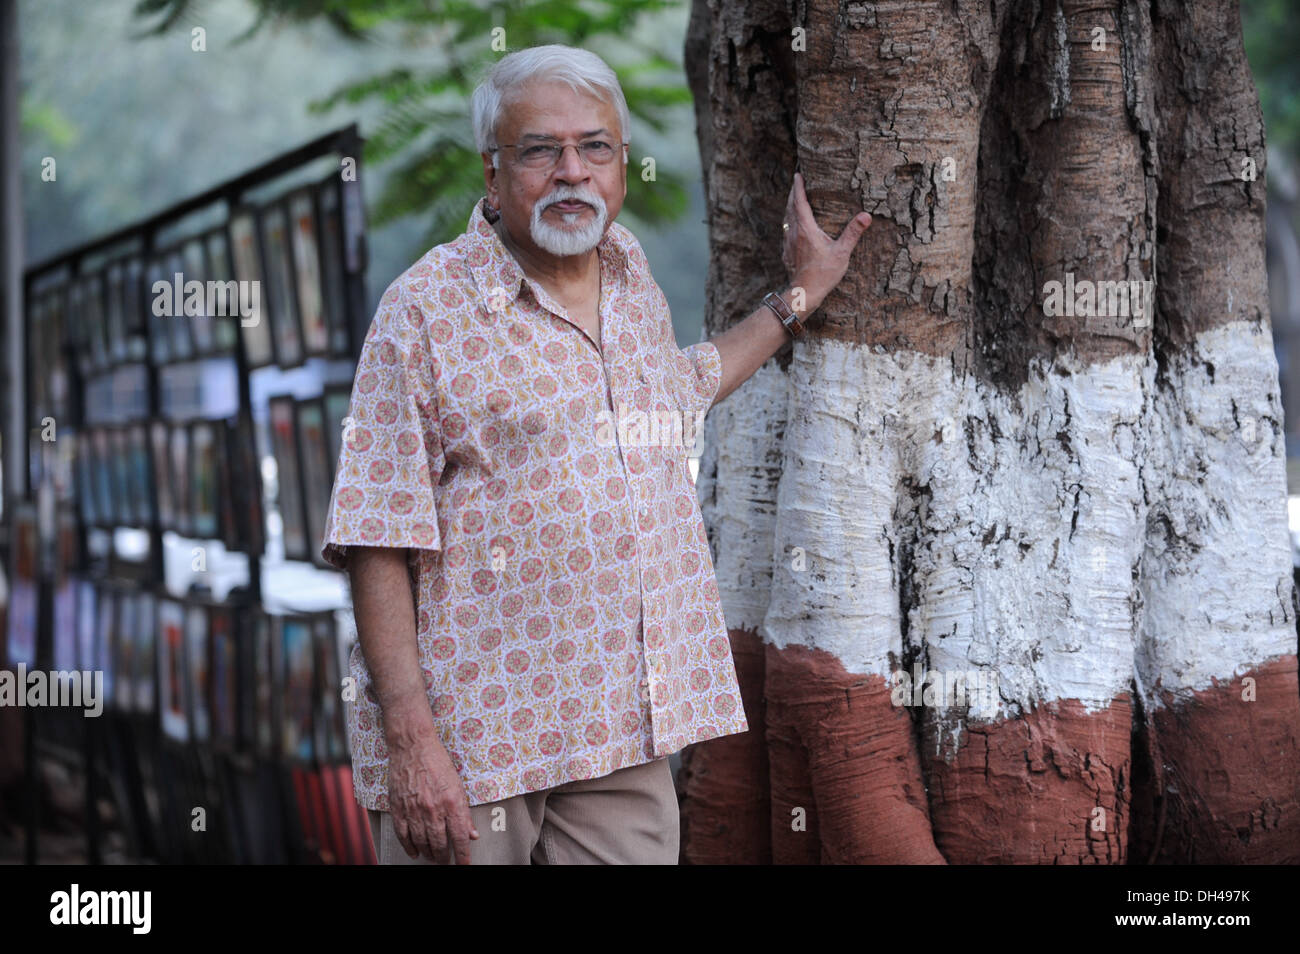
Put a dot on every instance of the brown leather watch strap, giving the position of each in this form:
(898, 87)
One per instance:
(792, 322)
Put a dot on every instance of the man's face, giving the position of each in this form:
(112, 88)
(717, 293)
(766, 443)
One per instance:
(556, 211)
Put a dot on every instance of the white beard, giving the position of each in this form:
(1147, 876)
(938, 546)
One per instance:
(575, 240)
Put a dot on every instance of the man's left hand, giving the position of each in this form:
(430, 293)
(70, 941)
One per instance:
(816, 261)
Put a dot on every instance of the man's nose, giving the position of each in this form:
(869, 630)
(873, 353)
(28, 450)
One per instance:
(571, 168)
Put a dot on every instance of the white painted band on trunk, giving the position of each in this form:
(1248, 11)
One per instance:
(1217, 575)
(1030, 512)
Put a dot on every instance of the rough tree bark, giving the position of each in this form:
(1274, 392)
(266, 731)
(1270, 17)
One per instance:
(1090, 510)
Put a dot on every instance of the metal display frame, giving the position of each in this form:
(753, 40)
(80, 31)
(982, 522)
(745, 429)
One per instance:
(113, 754)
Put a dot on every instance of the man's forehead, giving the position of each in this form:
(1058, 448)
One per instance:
(550, 108)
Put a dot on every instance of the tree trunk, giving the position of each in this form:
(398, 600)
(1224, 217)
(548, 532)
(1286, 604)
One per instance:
(967, 472)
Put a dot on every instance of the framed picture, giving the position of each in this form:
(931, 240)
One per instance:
(110, 476)
(57, 369)
(246, 254)
(198, 685)
(331, 733)
(125, 662)
(173, 705)
(23, 588)
(158, 286)
(268, 682)
(338, 400)
(67, 296)
(134, 311)
(247, 485)
(246, 677)
(179, 321)
(106, 643)
(146, 651)
(67, 541)
(62, 456)
(305, 245)
(114, 311)
(64, 623)
(180, 474)
(284, 445)
(317, 478)
(105, 475)
(101, 465)
(78, 329)
(203, 479)
(224, 431)
(160, 458)
(225, 677)
(66, 592)
(92, 310)
(74, 330)
(140, 473)
(37, 383)
(86, 497)
(225, 329)
(119, 450)
(202, 324)
(285, 323)
(299, 688)
(95, 441)
(61, 300)
(329, 216)
(87, 620)
(66, 579)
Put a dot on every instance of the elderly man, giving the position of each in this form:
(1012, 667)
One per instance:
(538, 618)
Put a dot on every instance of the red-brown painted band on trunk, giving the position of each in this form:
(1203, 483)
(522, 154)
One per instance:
(723, 782)
(845, 754)
(1230, 786)
(1028, 790)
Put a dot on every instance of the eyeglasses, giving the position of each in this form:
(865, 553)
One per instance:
(539, 155)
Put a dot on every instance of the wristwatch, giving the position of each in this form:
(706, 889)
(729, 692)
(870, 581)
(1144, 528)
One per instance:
(792, 322)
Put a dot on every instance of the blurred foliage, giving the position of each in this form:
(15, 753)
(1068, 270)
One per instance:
(1271, 30)
(425, 129)
(45, 120)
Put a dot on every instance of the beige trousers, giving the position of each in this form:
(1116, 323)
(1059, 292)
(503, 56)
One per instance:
(628, 817)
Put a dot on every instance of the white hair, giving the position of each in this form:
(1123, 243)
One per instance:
(584, 71)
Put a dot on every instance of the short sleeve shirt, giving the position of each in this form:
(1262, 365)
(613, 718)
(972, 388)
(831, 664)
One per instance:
(568, 617)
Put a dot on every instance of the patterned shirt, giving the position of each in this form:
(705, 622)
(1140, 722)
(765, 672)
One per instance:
(568, 616)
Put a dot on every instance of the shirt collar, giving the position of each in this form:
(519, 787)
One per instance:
(494, 267)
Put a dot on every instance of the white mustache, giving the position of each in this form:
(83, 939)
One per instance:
(572, 195)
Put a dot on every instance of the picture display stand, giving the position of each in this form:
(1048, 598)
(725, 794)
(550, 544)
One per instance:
(207, 702)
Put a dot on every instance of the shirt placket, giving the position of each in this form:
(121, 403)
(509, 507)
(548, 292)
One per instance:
(648, 687)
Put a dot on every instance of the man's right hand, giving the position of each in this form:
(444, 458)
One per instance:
(426, 796)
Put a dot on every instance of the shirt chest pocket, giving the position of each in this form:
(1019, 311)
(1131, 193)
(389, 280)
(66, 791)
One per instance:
(655, 422)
